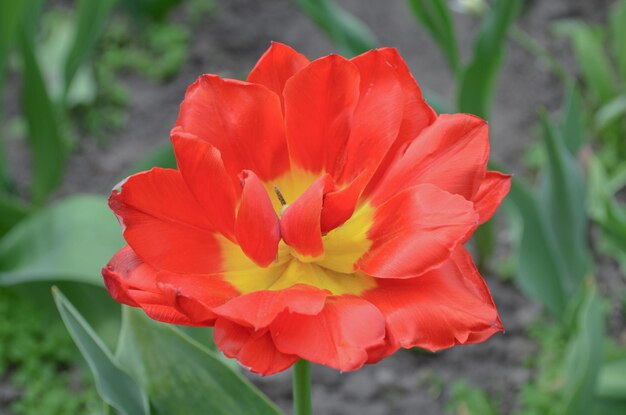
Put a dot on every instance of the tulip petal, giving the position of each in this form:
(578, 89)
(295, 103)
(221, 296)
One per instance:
(416, 116)
(242, 120)
(319, 105)
(257, 228)
(452, 154)
(276, 66)
(300, 224)
(164, 224)
(259, 309)
(203, 170)
(171, 298)
(253, 349)
(338, 337)
(447, 306)
(493, 189)
(377, 116)
(417, 230)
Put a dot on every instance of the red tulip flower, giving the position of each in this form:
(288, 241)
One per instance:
(318, 212)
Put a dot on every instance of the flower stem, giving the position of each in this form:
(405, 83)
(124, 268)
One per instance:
(302, 388)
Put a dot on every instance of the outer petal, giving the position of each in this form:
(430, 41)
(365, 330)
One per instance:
(300, 224)
(452, 154)
(416, 116)
(258, 229)
(319, 105)
(417, 113)
(126, 271)
(259, 309)
(243, 121)
(203, 170)
(253, 349)
(276, 66)
(377, 116)
(164, 224)
(491, 192)
(338, 337)
(417, 230)
(447, 306)
(172, 298)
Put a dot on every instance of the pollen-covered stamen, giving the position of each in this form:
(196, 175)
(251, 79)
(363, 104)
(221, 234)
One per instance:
(280, 196)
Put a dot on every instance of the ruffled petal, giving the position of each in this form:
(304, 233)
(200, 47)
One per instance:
(203, 170)
(259, 309)
(493, 189)
(300, 225)
(258, 229)
(167, 297)
(452, 154)
(417, 230)
(253, 349)
(447, 306)
(319, 106)
(377, 116)
(164, 224)
(276, 66)
(339, 336)
(243, 121)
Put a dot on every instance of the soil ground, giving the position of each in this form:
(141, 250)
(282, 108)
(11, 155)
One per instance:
(228, 44)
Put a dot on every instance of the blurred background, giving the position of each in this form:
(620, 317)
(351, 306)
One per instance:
(90, 90)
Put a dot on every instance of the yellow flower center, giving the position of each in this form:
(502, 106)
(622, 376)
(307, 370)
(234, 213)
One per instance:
(334, 270)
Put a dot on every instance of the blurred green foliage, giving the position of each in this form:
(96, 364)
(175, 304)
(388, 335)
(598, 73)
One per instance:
(40, 363)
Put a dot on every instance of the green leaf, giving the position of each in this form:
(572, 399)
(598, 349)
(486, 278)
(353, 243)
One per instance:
(162, 156)
(478, 79)
(435, 18)
(611, 380)
(45, 131)
(349, 34)
(469, 400)
(180, 375)
(70, 241)
(584, 356)
(562, 194)
(541, 269)
(572, 123)
(609, 113)
(618, 34)
(12, 211)
(91, 18)
(114, 385)
(592, 60)
(10, 15)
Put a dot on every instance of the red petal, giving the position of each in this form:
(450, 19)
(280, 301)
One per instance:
(164, 224)
(417, 230)
(126, 271)
(253, 349)
(319, 104)
(276, 66)
(377, 116)
(203, 170)
(416, 116)
(447, 306)
(176, 299)
(451, 154)
(258, 229)
(338, 337)
(259, 309)
(243, 121)
(491, 192)
(300, 224)
(339, 205)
